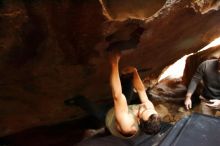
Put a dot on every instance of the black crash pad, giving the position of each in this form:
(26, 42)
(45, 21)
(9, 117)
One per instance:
(195, 130)
(141, 140)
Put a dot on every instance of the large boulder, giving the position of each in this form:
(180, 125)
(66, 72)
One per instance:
(53, 50)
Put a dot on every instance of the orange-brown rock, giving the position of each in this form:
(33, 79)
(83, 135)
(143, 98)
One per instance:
(53, 50)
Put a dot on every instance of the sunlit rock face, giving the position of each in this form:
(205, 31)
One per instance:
(207, 5)
(123, 9)
(53, 50)
(175, 30)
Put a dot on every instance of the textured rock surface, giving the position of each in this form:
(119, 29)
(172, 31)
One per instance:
(123, 9)
(46, 48)
(53, 50)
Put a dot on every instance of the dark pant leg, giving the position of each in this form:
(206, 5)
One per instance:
(99, 110)
(96, 110)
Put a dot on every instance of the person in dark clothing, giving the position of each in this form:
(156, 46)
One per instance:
(209, 72)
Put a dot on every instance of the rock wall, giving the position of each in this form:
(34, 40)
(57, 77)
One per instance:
(53, 50)
(46, 48)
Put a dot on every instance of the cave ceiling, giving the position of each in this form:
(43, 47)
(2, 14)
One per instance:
(53, 50)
